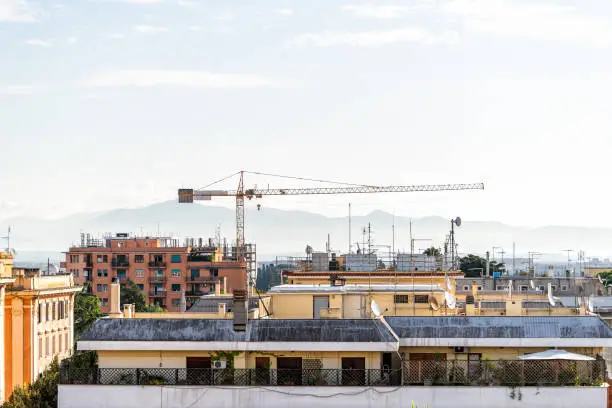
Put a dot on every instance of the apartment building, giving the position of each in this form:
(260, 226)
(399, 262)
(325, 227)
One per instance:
(162, 267)
(37, 324)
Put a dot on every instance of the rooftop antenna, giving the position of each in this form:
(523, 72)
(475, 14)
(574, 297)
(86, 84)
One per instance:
(8, 239)
(569, 261)
(393, 240)
(349, 222)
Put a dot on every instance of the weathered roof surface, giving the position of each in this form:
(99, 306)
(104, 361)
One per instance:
(583, 327)
(264, 330)
(210, 304)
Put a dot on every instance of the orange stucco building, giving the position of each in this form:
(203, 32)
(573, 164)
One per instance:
(161, 267)
(38, 322)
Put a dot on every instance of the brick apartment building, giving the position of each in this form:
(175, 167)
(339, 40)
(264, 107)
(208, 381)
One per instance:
(161, 267)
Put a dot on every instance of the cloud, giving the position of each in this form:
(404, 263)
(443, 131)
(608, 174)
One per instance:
(37, 42)
(376, 11)
(147, 29)
(225, 17)
(375, 38)
(191, 78)
(72, 40)
(117, 36)
(285, 12)
(187, 3)
(19, 90)
(129, 1)
(194, 28)
(541, 21)
(20, 11)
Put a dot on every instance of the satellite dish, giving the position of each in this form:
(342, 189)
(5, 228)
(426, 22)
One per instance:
(375, 309)
(434, 304)
(458, 221)
(532, 285)
(448, 283)
(590, 306)
(451, 302)
(600, 280)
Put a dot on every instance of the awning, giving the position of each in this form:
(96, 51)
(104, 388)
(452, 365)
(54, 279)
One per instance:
(555, 355)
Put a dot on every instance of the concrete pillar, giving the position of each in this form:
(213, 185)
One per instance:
(218, 288)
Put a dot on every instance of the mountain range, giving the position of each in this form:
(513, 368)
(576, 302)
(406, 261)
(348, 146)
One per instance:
(280, 232)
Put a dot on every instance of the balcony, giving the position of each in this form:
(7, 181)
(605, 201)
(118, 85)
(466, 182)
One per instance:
(195, 293)
(200, 279)
(123, 279)
(157, 279)
(157, 264)
(158, 293)
(88, 264)
(120, 263)
(504, 373)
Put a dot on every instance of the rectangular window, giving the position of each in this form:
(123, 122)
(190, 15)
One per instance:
(524, 288)
(176, 273)
(99, 258)
(53, 344)
(46, 345)
(53, 311)
(564, 288)
(105, 259)
(105, 287)
(400, 299)
(67, 342)
(99, 273)
(47, 312)
(139, 258)
(140, 273)
(175, 259)
(59, 345)
(67, 308)
(99, 287)
(195, 273)
(176, 287)
(40, 347)
(141, 286)
(40, 312)
(104, 302)
(60, 311)
(121, 273)
(105, 273)
(421, 298)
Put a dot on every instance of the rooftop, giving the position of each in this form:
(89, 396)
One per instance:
(354, 288)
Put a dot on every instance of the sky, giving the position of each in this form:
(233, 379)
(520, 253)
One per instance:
(117, 103)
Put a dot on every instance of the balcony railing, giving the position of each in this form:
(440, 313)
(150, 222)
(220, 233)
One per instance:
(461, 373)
(157, 264)
(158, 293)
(120, 263)
(157, 279)
(200, 279)
(195, 293)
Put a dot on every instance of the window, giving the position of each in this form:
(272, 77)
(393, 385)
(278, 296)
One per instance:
(105, 273)
(524, 288)
(466, 288)
(141, 286)
(176, 287)
(47, 312)
(195, 273)
(553, 287)
(121, 273)
(140, 273)
(500, 287)
(99, 273)
(120, 244)
(99, 258)
(53, 311)
(421, 298)
(139, 258)
(59, 345)
(99, 287)
(105, 287)
(541, 288)
(67, 342)
(564, 288)
(46, 345)
(53, 344)
(104, 302)
(480, 288)
(175, 259)
(40, 312)
(176, 273)
(74, 258)
(40, 347)
(400, 299)
(67, 308)
(105, 258)
(60, 310)
(176, 302)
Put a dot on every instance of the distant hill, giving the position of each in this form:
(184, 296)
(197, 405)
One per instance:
(280, 232)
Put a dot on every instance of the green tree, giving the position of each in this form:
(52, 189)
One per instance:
(42, 393)
(473, 266)
(432, 251)
(131, 294)
(152, 308)
(86, 312)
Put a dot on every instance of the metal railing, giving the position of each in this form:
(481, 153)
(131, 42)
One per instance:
(158, 293)
(460, 373)
(120, 263)
(157, 279)
(157, 264)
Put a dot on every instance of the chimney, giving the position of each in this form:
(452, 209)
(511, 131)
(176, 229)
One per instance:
(222, 309)
(224, 278)
(115, 299)
(241, 310)
(475, 289)
(218, 288)
(183, 303)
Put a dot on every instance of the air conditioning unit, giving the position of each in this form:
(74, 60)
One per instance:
(460, 349)
(219, 364)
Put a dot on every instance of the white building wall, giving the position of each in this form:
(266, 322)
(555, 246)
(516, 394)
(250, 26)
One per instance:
(99, 396)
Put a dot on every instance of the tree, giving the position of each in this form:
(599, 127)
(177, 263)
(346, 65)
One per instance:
(42, 393)
(86, 312)
(152, 308)
(432, 251)
(268, 276)
(131, 294)
(474, 266)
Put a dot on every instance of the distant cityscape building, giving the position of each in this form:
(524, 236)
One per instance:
(161, 267)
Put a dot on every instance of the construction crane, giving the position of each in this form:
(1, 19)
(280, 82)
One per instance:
(187, 195)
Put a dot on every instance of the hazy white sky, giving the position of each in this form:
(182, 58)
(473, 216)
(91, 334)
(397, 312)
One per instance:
(116, 103)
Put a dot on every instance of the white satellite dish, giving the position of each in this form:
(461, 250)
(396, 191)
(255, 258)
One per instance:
(433, 302)
(448, 283)
(458, 221)
(551, 299)
(532, 285)
(451, 302)
(375, 309)
(600, 280)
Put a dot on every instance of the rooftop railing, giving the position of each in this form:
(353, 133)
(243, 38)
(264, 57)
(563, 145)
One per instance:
(537, 373)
